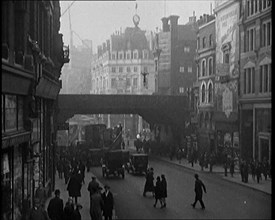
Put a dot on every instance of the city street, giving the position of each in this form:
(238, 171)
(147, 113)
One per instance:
(222, 200)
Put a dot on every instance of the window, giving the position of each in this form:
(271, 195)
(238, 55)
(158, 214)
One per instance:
(120, 56)
(210, 40)
(203, 42)
(203, 93)
(189, 69)
(113, 69)
(266, 34)
(181, 89)
(198, 70)
(145, 69)
(186, 49)
(181, 69)
(145, 54)
(249, 80)
(226, 56)
(265, 78)
(128, 56)
(198, 43)
(135, 55)
(250, 39)
(113, 56)
(128, 82)
(113, 83)
(203, 66)
(135, 82)
(135, 69)
(128, 69)
(120, 69)
(210, 66)
(210, 93)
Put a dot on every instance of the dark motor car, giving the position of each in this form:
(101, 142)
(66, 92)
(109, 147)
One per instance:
(138, 163)
(113, 163)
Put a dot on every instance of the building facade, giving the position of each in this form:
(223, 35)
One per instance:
(124, 65)
(226, 117)
(255, 79)
(206, 50)
(32, 58)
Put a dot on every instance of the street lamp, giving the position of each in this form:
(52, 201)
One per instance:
(144, 74)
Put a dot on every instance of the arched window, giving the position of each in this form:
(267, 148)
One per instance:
(203, 67)
(210, 93)
(198, 70)
(210, 66)
(203, 93)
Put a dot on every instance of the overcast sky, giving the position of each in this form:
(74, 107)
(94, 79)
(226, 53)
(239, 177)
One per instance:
(97, 20)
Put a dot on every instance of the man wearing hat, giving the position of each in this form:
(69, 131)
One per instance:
(93, 186)
(108, 199)
(199, 186)
(37, 212)
(77, 215)
(55, 207)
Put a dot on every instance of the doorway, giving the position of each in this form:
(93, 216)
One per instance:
(264, 147)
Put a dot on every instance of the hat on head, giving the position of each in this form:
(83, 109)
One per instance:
(79, 205)
(196, 176)
(93, 177)
(107, 187)
(57, 192)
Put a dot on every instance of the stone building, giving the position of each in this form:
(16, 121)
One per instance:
(32, 58)
(255, 79)
(124, 65)
(206, 50)
(226, 117)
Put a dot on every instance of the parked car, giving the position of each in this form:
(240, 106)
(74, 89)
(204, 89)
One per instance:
(113, 163)
(138, 163)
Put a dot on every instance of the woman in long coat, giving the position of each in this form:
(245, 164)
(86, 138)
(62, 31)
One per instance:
(149, 184)
(74, 187)
(163, 190)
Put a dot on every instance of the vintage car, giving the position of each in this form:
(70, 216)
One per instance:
(113, 163)
(138, 163)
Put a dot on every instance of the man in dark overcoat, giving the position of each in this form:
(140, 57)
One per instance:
(108, 200)
(74, 187)
(55, 207)
(163, 184)
(158, 192)
(199, 186)
(149, 183)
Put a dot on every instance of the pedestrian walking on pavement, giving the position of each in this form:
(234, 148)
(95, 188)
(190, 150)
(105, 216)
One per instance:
(96, 205)
(199, 188)
(163, 187)
(253, 169)
(69, 209)
(232, 165)
(55, 207)
(258, 171)
(108, 200)
(93, 186)
(38, 212)
(245, 171)
(149, 183)
(265, 168)
(74, 186)
(158, 192)
(76, 213)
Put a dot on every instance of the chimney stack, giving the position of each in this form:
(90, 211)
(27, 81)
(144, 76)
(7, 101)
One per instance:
(165, 25)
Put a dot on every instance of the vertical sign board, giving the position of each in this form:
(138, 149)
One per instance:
(164, 59)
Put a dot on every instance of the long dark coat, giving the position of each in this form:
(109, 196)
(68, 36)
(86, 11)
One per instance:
(199, 186)
(74, 186)
(158, 190)
(108, 203)
(96, 206)
(55, 208)
(163, 188)
(149, 184)
(68, 212)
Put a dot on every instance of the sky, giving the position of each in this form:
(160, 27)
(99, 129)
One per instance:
(98, 20)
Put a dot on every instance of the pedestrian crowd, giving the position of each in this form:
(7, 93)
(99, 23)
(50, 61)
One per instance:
(158, 190)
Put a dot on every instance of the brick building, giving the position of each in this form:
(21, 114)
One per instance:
(32, 58)
(255, 79)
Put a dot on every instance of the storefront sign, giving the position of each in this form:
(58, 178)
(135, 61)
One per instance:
(227, 101)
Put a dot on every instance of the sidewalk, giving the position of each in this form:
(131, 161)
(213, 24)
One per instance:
(84, 200)
(263, 185)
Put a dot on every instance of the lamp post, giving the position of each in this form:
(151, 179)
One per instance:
(156, 55)
(144, 74)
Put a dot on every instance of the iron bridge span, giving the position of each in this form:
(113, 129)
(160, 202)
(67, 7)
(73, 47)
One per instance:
(155, 109)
